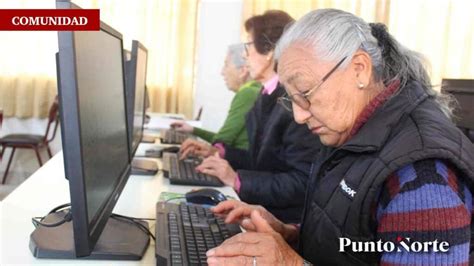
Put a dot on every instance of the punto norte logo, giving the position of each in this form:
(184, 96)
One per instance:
(400, 245)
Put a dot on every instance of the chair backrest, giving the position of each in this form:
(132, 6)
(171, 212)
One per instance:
(53, 117)
(198, 116)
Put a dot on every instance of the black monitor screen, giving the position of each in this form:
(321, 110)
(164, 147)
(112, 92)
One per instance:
(139, 110)
(102, 115)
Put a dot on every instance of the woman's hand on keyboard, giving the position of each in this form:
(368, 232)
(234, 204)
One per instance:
(265, 246)
(240, 212)
(220, 168)
(182, 127)
(197, 148)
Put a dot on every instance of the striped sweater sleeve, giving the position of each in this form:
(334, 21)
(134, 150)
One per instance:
(425, 201)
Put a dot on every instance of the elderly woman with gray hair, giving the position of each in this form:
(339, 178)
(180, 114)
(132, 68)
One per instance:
(395, 184)
(237, 79)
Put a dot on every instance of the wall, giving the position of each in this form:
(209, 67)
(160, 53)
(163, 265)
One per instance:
(219, 26)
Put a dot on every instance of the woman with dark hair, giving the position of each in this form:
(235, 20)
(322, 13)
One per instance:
(394, 184)
(274, 171)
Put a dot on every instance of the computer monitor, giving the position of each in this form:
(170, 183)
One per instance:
(147, 99)
(58, 77)
(95, 149)
(147, 105)
(463, 91)
(136, 82)
(135, 70)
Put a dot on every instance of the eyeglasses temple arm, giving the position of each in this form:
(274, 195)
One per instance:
(333, 69)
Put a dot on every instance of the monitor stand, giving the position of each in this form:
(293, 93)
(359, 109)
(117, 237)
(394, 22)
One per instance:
(120, 240)
(156, 152)
(142, 166)
(148, 139)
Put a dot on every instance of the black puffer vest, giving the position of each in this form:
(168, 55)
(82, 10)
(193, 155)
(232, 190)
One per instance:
(345, 184)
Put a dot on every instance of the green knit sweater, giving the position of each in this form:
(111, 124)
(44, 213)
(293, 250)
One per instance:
(233, 132)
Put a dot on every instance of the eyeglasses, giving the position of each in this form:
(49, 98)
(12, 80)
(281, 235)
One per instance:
(246, 47)
(302, 98)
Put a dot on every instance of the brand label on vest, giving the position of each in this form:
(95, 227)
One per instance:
(349, 191)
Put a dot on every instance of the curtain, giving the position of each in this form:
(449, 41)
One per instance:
(443, 31)
(167, 28)
(27, 67)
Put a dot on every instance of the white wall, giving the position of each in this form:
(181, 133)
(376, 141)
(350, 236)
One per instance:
(219, 26)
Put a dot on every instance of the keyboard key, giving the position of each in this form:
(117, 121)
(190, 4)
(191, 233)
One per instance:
(175, 248)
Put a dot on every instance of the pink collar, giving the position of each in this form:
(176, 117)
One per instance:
(270, 85)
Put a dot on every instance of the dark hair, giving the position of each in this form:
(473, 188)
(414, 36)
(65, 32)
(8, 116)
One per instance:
(267, 29)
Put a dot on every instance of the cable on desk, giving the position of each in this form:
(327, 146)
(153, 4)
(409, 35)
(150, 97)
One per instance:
(135, 221)
(37, 221)
(176, 198)
(135, 218)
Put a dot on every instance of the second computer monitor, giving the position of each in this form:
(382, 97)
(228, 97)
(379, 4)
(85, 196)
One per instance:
(136, 83)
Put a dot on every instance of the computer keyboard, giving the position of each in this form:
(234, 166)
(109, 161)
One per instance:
(173, 137)
(184, 232)
(181, 172)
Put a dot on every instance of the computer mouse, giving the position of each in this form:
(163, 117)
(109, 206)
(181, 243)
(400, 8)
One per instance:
(208, 196)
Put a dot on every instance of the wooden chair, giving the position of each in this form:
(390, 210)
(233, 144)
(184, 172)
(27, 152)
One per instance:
(31, 141)
(198, 116)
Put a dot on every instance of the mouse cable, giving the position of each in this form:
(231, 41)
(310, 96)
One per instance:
(176, 198)
(134, 218)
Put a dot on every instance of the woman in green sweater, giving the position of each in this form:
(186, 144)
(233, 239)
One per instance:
(236, 77)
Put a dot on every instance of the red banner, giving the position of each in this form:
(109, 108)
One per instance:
(49, 19)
